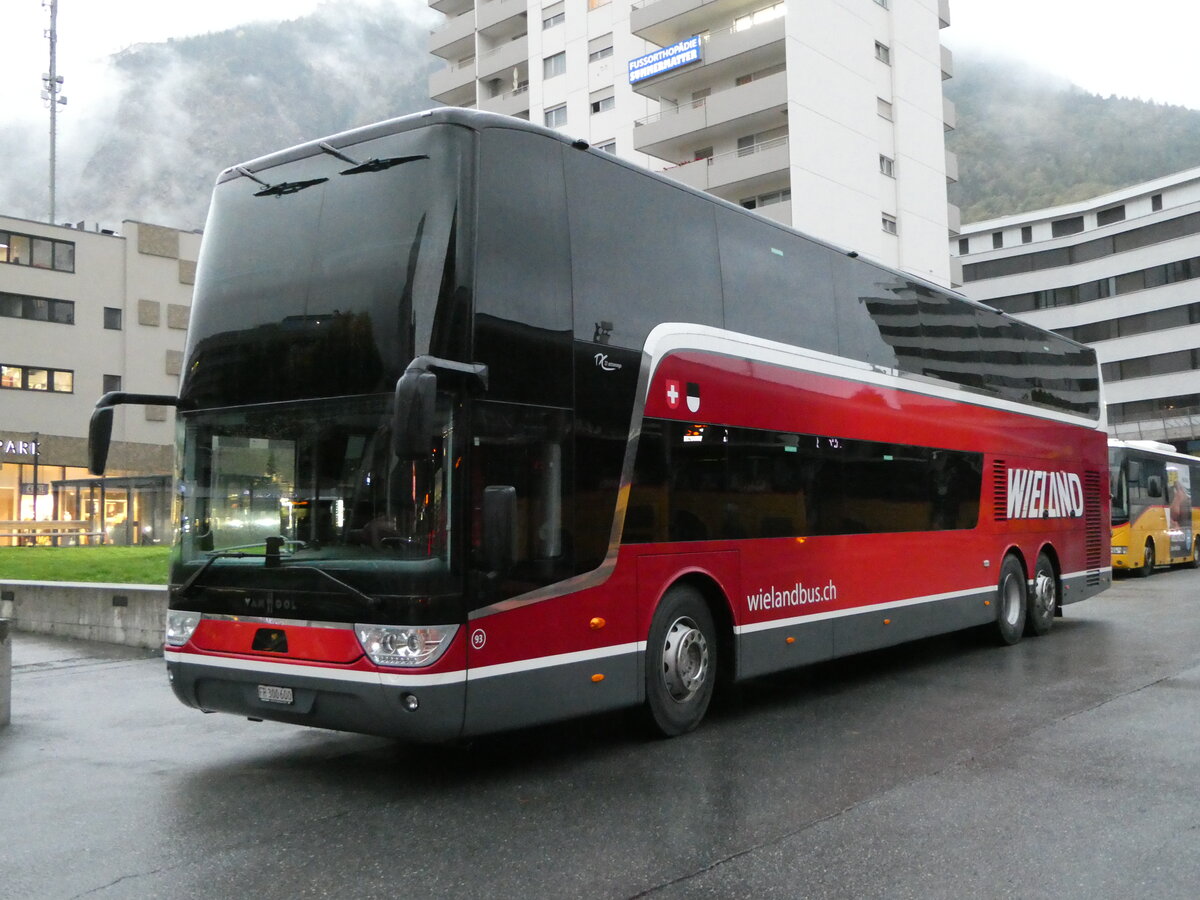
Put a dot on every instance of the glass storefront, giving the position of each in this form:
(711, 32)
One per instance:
(65, 506)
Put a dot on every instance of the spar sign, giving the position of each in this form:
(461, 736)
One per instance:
(1040, 494)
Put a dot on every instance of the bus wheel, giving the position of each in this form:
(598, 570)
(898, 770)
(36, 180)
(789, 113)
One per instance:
(681, 661)
(1194, 562)
(1044, 601)
(1011, 598)
(1147, 568)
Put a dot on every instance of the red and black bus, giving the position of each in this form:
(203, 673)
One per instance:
(480, 427)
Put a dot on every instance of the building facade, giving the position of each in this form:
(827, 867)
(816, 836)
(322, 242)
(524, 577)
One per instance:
(83, 313)
(1120, 272)
(826, 115)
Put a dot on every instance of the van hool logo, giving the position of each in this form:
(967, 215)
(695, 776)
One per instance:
(1037, 494)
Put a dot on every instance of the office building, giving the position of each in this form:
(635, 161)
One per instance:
(1120, 272)
(83, 312)
(827, 115)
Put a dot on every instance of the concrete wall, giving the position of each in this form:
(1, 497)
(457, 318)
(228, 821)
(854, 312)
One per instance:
(129, 614)
(5, 674)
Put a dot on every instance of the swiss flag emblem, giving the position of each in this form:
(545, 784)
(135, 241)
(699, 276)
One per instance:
(673, 393)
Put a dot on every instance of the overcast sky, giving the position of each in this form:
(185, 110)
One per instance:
(1141, 49)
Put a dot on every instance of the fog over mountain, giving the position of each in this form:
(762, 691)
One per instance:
(170, 116)
(161, 120)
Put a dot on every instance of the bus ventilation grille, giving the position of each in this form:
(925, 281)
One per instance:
(1000, 490)
(1094, 526)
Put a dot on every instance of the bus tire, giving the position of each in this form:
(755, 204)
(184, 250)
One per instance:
(1194, 562)
(1043, 600)
(1011, 601)
(1147, 567)
(681, 662)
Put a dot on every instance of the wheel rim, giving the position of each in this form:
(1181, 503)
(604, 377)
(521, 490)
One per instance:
(685, 659)
(1149, 557)
(1043, 594)
(1011, 599)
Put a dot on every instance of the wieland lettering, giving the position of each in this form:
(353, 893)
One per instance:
(1039, 494)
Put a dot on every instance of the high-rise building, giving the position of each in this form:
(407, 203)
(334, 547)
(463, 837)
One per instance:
(826, 115)
(1120, 272)
(84, 312)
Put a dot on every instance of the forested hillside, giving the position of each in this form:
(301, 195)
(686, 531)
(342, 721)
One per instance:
(1026, 140)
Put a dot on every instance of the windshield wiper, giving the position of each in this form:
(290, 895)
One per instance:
(270, 556)
(278, 190)
(271, 559)
(371, 165)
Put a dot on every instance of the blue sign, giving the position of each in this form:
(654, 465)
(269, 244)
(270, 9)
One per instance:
(664, 60)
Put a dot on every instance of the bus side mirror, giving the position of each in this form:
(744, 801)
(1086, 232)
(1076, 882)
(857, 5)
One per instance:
(499, 527)
(1154, 487)
(99, 437)
(413, 414)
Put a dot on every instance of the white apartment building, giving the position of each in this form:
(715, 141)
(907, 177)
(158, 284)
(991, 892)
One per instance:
(826, 115)
(82, 313)
(1120, 272)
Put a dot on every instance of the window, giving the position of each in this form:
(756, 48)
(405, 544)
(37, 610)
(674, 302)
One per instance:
(112, 318)
(749, 144)
(964, 246)
(696, 482)
(111, 383)
(553, 66)
(1027, 234)
(887, 166)
(603, 51)
(35, 378)
(889, 224)
(553, 15)
(596, 4)
(1110, 215)
(703, 153)
(997, 240)
(1156, 203)
(884, 108)
(766, 14)
(1062, 227)
(556, 117)
(39, 309)
(768, 199)
(609, 146)
(882, 53)
(602, 102)
(42, 253)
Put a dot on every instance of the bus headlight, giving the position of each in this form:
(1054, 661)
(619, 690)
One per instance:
(1119, 551)
(180, 626)
(405, 645)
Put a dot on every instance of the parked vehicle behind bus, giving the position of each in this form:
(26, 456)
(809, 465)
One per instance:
(1152, 520)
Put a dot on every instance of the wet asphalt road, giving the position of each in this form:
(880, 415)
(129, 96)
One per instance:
(1067, 766)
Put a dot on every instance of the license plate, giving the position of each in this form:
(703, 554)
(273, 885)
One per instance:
(269, 693)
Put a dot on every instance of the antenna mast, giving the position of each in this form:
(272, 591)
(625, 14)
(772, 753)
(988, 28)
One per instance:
(51, 87)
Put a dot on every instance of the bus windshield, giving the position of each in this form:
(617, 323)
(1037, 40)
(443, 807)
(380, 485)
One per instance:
(321, 475)
(326, 264)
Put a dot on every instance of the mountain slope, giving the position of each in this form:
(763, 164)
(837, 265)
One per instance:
(1026, 141)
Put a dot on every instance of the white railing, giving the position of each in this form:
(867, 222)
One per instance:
(739, 153)
(1168, 425)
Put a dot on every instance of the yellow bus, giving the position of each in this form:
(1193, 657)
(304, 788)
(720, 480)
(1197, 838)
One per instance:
(1152, 523)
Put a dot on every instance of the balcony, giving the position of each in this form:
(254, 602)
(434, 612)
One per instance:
(673, 134)
(504, 58)
(947, 63)
(510, 103)
(949, 115)
(739, 173)
(452, 7)
(664, 22)
(455, 84)
(493, 12)
(951, 167)
(455, 39)
(725, 55)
